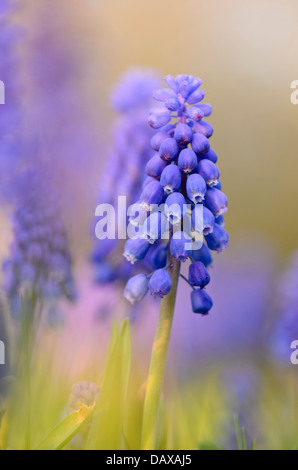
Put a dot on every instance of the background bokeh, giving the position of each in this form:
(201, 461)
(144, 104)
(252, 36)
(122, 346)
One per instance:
(246, 54)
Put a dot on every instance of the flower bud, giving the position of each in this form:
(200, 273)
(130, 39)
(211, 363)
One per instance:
(160, 283)
(198, 275)
(218, 240)
(183, 134)
(170, 179)
(208, 220)
(136, 288)
(187, 161)
(210, 155)
(158, 139)
(196, 188)
(155, 166)
(170, 80)
(172, 104)
(220, 220)
(195, 84)
(136, 249)
(152, 194)
(206, 108)
(163, 94)
(216, 201)
(154, 227)
(194, 113)
(169, 150)
(159, 119)
(159, 256)
(196, 97)
(203, 127)
(209, 171)
(200, 144)
(175, 208)
(203, 255)
(201, 302)
(180, 246)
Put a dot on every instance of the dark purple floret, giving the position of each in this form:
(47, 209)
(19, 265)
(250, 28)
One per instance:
(198, 275)
(201, 302)
(160, 283)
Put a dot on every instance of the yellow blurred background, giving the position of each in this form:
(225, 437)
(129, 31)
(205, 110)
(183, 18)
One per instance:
(246, 54)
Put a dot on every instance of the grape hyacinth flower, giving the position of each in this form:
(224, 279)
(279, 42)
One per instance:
(183, 186)
(125, 170)
(183, 171)
(39, 265)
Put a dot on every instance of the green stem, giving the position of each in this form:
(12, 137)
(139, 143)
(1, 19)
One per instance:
(244, 439)
(158, 360)
(29, 314)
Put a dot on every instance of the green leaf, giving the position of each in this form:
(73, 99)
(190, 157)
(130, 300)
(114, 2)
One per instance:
(67, 429)
(238, 432)
(126, 356)
(2, 413)
(208, 446)
(108, 424)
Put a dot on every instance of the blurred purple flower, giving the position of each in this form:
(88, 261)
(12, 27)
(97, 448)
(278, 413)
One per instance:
(39, 263)
(60, 118)
(285, 330)
(134, 90)
(242, 385)
(125, 168)
(10, 112)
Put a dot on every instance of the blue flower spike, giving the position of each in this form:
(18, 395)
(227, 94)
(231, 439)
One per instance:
(184, 188)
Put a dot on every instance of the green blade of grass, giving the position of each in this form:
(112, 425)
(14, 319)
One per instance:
(67, 429)
(238, 432)
(106, 431)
